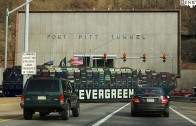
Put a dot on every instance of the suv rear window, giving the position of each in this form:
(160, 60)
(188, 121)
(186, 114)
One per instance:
(43, 86)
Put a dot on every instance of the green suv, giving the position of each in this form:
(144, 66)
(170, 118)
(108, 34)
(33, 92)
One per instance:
(46, 95)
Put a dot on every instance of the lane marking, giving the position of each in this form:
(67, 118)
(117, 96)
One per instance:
(108, 116)
(183, 116)
(5, 120)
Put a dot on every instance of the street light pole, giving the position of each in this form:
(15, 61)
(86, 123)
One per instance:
(26, 26)
(26, 41)
(6, 29)
(6, 38)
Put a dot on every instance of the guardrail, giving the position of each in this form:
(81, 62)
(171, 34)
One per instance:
(182, 99)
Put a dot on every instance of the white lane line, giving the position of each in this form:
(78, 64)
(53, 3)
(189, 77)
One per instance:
(108, 116)
(183, 116)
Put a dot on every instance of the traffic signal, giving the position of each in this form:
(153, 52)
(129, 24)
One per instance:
(124, 57)
(105, 57)
(144, 57)
(164, 57)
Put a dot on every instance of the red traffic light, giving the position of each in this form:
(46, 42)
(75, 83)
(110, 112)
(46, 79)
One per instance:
(124, 57)
(144, 57)
(164, 57)
(105, 57)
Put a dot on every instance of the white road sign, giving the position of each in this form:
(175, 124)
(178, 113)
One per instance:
(29, 63)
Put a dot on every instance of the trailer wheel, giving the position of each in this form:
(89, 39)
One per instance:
(76, 111)
(65, 114)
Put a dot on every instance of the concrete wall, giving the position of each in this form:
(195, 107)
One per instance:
(56, 35)
(187, 80)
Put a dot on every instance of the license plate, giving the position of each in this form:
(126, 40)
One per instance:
(150, 100)
(41, 98)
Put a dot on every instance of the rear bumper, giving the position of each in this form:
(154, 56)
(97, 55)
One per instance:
(157, 108)
(38, 108)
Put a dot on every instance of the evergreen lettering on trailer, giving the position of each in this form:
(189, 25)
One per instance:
(95, 94)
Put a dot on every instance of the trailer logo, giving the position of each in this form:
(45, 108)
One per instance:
(190, 3)
(94, 94)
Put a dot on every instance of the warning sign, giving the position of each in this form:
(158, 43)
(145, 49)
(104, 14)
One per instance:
(29, 63)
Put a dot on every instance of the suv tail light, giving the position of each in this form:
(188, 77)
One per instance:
(22, 99)
(164, 100)
(136, 100)
(62, 98)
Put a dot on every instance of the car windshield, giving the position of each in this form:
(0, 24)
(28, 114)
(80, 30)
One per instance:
(150, 91)
(43, 86)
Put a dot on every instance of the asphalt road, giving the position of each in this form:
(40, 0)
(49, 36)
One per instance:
(104, 114)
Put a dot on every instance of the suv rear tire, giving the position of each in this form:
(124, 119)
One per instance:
(65, 114)
(27, 113)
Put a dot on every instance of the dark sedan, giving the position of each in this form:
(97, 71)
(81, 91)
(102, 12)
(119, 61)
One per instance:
(150, 100)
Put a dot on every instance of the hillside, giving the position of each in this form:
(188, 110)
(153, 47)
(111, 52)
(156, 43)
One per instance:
(188, 18)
